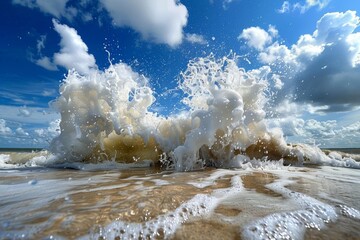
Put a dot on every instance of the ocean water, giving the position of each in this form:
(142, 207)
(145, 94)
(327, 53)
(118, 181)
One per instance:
(113, 201)
(215, 170)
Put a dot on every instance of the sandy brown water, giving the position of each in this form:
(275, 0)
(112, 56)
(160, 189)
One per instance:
(43, 203)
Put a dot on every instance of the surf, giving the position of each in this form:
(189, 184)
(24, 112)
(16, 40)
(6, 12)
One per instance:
(106, 116)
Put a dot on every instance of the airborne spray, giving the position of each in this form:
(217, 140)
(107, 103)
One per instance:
(105, 117)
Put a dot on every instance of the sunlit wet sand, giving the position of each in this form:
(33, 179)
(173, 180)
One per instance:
(149, 203)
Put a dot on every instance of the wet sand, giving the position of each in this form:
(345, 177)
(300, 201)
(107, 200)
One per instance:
(61, 203)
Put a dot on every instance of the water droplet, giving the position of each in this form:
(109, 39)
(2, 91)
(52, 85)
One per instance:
(33, 182)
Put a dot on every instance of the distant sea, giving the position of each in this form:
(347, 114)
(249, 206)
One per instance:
(21, 149)
(344, 150)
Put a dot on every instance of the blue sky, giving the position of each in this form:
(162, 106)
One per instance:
(312, 48)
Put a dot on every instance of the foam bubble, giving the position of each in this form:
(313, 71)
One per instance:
(349, 211)
(161, 227)
(291, 225)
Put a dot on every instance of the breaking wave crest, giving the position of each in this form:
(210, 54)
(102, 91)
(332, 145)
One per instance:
(105, 116)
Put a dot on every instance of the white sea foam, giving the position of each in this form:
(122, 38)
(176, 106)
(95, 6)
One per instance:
(162, 226)
(105, 117)
(349, 211)
(4, 161)
(314, 155)
(291, 225)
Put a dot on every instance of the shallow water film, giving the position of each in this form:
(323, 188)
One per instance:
(271, 202)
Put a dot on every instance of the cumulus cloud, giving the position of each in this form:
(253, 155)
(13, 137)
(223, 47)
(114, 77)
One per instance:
(350, 130)
(73, 53)
(309, 66)
(325, 81)
(50, 132)
(318, 130)
(24, 112)
(195, 38)
(56, 8)
(39, 116)
(160, 21)
(290, 126)
(327, 133)
(21, 132)
(257, 37)
(4, 130)
(302, 6)
(27, 136)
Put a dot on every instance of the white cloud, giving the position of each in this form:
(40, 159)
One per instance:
(25, 135)
(40, 132)
(21, 132)
(325, 81)
(256, 37)
(41, 43)
(73, 53)
(24, 112)
(273, 31)
(309, 68)
(45, 62)
(329, 133)
(354, 48)
(319, 130)
(350, 130)
(303, 7)
(48, 92)
(161, 21)
(195, 38)
(276, 53)
(15, 98)
(4, 130)
(38, 115)
(226, 3)
(56, 8)
(290, 126)
(46, 134)
(320, 4)
(336, 26)
(285, 7)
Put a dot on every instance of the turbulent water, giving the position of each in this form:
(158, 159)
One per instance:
(105, 116)
(260, 200)
(117, 170)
